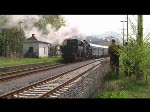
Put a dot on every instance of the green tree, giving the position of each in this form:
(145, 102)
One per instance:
(56, 21)
(134, 58)
(3, 20)
(11, 39)
(11, 42)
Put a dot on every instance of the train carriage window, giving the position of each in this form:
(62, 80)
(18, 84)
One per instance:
(79, 42)
(101, 49)
(94, 49)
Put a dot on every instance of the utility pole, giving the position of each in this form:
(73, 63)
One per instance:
(140, 29)
(20, 25)
(140, 72)
(127, 27)
(19, 46)
(123, 30)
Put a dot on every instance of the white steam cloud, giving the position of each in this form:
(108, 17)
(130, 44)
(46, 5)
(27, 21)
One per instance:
(26, 22)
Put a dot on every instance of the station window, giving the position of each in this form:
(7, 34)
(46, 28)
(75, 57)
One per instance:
(44, 50)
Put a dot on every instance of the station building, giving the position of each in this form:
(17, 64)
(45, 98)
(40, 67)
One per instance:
(35, 48)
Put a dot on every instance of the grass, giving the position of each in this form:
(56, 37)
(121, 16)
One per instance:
(11, 62)
(124, 87)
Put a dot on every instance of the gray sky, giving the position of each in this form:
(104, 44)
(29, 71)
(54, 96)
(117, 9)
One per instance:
(98, 24)
(79, 24)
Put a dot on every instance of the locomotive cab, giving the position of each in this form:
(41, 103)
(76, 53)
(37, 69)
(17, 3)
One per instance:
(72, 48)
(87, 49)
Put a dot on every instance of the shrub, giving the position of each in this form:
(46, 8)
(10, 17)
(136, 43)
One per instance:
(134, 57)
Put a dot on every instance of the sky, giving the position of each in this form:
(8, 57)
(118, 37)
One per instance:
(78, 24)
(99, 24)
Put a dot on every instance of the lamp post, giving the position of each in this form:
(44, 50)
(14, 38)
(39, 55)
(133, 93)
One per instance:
(123, 30)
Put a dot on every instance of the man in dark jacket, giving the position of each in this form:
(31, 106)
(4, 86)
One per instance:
(114, 56)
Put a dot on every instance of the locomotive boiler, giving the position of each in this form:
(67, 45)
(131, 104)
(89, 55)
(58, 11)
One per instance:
(77, 49)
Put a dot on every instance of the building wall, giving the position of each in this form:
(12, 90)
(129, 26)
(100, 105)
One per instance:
(38, 48)
(26, 47)
(43, 50)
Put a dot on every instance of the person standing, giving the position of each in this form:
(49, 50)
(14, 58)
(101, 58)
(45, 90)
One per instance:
(114, 56)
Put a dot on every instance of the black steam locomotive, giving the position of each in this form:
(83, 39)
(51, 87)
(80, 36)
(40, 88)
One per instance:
(76, 49)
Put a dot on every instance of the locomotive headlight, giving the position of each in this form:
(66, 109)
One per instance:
(72, 53)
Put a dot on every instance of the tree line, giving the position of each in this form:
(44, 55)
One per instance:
(11, 38)
(11, 42)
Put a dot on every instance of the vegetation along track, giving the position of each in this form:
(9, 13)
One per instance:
(50, 86)
(17, 74)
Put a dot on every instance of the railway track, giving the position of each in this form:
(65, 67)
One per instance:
(53, 86)
(17, 74)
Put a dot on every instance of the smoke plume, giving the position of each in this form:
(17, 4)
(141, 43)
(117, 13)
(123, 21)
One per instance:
(26, 23)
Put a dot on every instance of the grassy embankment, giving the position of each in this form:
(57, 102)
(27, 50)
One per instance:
(11, 62)
(124, 87)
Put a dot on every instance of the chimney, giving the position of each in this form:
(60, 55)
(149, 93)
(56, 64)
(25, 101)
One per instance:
(33, 35)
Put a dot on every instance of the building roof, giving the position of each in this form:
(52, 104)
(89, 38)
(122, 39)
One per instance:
(35, 39)
(32, 38)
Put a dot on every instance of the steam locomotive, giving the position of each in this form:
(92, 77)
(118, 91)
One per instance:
(77, 49)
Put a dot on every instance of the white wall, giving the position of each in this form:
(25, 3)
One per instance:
(26, 47)
(41, 50)
(37, 47)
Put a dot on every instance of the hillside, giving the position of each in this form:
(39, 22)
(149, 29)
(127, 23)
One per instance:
(104, 39)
